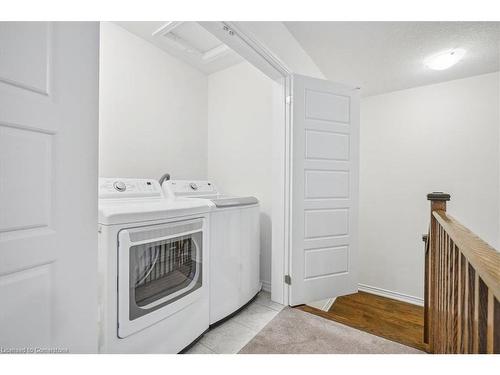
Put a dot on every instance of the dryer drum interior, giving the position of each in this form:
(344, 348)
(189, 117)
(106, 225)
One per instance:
(162, 271)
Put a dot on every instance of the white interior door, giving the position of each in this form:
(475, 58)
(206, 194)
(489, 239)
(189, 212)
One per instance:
(324, 190)
(48, 185)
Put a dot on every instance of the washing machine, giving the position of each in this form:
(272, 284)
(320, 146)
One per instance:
(153, 268)
(234, 245)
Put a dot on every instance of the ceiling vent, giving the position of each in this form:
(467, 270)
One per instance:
(190, 37)
(187, 41)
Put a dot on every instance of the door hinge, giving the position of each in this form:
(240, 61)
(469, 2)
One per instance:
(288, 279)
(289, 99)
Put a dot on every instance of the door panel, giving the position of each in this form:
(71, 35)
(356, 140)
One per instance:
(323, 105)
(325, 223)
(25, 206)
(326, 184)
(326, 145)
(48, 185)
(25, 55)
(325, 122)
(326, 261)
(16, 288)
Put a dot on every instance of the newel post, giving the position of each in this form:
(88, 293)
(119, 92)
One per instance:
(438, 203)
(438, 200)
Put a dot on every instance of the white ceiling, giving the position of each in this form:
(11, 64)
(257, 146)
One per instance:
(387, 56)
(187, 41)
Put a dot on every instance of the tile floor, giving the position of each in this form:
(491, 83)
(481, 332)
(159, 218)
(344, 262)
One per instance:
(235, 333)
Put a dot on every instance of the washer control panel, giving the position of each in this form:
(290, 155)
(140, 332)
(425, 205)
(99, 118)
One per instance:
(116, 188)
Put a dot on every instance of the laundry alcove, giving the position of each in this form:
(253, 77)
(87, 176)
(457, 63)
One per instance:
(178, 97)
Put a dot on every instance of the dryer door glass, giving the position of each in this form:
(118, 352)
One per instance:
(163, 271)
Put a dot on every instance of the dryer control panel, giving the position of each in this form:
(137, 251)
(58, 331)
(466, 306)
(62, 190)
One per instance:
(118, 188)
(191, 188)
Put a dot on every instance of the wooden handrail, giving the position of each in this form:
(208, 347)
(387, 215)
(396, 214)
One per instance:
(462, 287)
(483, 258)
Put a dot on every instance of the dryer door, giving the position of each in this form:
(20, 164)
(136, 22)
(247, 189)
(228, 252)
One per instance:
(160, 272)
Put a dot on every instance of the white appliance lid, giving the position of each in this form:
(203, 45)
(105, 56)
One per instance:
(140, 210)
(234, 201)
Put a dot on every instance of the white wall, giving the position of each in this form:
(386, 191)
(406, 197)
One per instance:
(443, 137)
(153, 110)
(240, 113)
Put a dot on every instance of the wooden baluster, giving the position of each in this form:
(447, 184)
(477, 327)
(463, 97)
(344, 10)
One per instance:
(482, 316)
(496, 326)
(460, 301)
(441, 291)
(444, 294)
(427, 279)
(475, 323)
(472, 311)
(454, 299)
(491, 323)
(446, 290)
(444, 322)
(437, 292)
(432, 289)
(451, 331)
(434, 316)
(466, 308)
(449, 325)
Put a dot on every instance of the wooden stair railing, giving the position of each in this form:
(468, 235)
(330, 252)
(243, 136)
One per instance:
(462, 287)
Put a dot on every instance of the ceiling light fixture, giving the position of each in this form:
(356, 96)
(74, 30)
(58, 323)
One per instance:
(444, 60)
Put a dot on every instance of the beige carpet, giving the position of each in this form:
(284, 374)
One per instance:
(293, 332)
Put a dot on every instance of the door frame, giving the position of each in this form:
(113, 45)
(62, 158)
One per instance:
(241, 40)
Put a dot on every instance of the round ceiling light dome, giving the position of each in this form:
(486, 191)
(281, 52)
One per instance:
(444, 60)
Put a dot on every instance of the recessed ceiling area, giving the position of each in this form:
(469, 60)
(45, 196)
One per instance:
(387, 56)
(187, 41)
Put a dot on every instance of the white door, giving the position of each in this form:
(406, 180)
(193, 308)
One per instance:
(324, 190)
(48, 186)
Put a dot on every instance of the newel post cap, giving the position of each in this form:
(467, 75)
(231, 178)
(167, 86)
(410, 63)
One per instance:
(438, 196)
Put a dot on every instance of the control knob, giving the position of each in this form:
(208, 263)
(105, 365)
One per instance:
(120, 186)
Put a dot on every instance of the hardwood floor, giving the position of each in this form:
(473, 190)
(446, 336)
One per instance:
(394, 320)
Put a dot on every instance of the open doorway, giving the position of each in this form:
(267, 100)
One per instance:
(175, 99)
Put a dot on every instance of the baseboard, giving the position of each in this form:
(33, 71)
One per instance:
(266, 286)
(391, 294)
